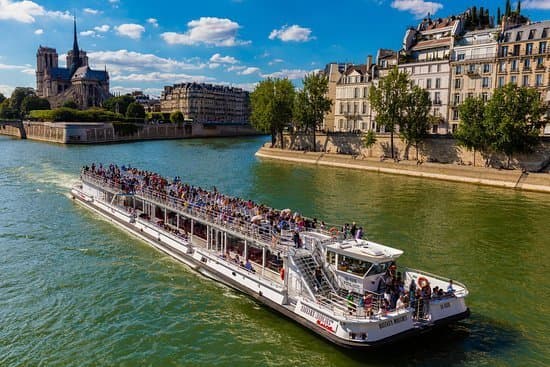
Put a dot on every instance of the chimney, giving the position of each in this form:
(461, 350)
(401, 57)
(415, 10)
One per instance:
(369, 61)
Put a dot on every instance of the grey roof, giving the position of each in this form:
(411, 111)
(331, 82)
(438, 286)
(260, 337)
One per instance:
(526, 34)
(60, 74)
(84, 72)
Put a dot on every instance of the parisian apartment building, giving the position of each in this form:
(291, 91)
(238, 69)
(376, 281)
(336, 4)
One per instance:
(451, 58)
(207, 103)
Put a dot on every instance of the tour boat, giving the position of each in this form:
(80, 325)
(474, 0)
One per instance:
(348, 290)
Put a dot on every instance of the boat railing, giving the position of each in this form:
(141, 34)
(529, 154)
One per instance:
(460, 289)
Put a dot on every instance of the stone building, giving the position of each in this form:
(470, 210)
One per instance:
(206, 102)
(352, 108)
(77, 82)
(473, 69)
(333, 71)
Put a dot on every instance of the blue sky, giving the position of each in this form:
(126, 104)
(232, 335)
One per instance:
(148, 44)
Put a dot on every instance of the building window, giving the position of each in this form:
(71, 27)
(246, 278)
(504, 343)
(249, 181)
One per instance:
(526, 80)
(502, 67)
(458, 69)
(356, 93)
(460, 57)
(437, 98)
(456, 99)
(458, 83)
(518, 36)
(455, 114)
(437, 83)
(540, 62)
(507, 36)
(438, 68)
(514, 79)
(516, 50)
(504, 51)
(531, 34)
(341, 107)
(485, 82)
(514, 66)
(341, 124)
(365, 92)
(500, 81)
(486, 68)
(544, 33)
(470, 95)
(364, 108)
(542, 47)
(527, 64)
(529, 49)
(454, 127)
(484, 96)
(435, 128)
(428, 84)
(355, 108)
(538, 80)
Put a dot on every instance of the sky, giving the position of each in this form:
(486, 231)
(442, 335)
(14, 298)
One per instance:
(146, 45)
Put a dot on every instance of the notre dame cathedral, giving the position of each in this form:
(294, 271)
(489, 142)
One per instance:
(77, 82)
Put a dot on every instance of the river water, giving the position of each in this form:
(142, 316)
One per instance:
(76, 291)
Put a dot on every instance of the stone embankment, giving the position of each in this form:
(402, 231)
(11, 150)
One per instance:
(100, 132)
(514, 179)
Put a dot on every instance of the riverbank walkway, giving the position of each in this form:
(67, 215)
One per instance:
(513, 179)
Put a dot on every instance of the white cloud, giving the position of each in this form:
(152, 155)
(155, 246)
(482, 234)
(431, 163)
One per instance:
(287, 73)
(39, 31)
(87, 33)
(6, 90)
(275, 61)
(536, 4)
(213, 65)
(154, 22)
(249, 70)
(130, 30)
(91, 11)
(208, 31)
(153, 92)
(294, 33)
(11, 67)
(223, 59)
(419, 8)
(26, 11)
(104, 28)
(114, 1)
(131, 61)
(162, 77)
(236, 68)
(29, 71)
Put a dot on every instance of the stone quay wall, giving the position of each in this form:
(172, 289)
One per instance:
(437, 149)
(97, 133)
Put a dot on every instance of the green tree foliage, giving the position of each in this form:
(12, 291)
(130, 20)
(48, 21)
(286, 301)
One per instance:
(271, 103)
(135, 110)
(508, 8)
(512, 117)
(17, 97)
(388, 100)
(472, 132)
(414, 125)
(33, 102)
(70, 104)
(369, 139)
(2, 98)
(119, 104)
(68, 114)
(177, 117)
(6, 111)
(311, 103)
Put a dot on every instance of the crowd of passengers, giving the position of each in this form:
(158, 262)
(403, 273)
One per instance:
(227, 208)
(396, 296)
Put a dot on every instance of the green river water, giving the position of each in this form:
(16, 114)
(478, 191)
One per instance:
(76, 291)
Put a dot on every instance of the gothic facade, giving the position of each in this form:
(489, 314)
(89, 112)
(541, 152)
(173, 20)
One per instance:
(77, 82)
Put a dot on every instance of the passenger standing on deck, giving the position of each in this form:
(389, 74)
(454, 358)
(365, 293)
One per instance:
(353, 230)
(359, 234)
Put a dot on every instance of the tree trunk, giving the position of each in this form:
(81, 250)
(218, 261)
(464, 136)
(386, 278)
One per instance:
(474, 157)
(314, 139)
(391, 143)
(416, 146)
(273, 139)
(282, 140)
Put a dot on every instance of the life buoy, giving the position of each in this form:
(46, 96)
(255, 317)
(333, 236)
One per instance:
(282, 272)
(333, 231)
(422, 282)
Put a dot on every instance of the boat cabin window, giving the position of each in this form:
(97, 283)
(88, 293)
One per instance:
(379, 268)
(331, 257)
(353, 266)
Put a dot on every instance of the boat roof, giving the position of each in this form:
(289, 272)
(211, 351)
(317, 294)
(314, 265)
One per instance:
(365, 250)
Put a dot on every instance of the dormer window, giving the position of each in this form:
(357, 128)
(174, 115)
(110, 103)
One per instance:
(518, 35)
(532, 34)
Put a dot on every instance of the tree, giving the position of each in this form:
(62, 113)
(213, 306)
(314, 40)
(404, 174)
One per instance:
(5, 110)
(32, 103)
(369, 139)
(414, 125)
(499, 16)
(119, 104)
(388, 101)
(272, 101)
(70, 104)
(518, 9)
(513, 116)
(472, 131)
(135, 110)
(508, 8)
(177, 117)
(312, 103)
(2, 98)
(17, 97)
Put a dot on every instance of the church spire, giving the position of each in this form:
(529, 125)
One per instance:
(76, 61)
